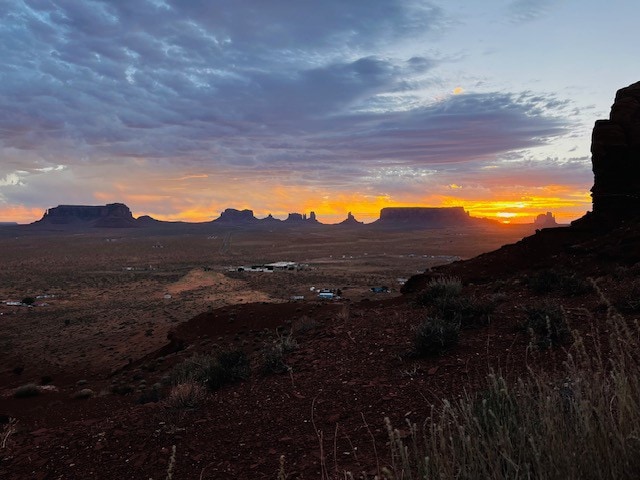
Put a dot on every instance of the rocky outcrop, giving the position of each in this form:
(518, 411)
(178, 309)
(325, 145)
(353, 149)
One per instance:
(269, 219)
(431, 217)
(350, 221)
(113, 215)
(302, 218)
(295, 218)
(615, 148)
(545, 220)
(146, 220)
(233, 216)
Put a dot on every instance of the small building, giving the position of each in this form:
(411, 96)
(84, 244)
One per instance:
(326, 295)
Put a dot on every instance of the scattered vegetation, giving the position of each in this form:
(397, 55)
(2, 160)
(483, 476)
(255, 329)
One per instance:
(547, 324)
(435, 335)
(521, 431)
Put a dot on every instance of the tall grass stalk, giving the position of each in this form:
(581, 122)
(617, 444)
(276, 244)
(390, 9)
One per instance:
(582, 422)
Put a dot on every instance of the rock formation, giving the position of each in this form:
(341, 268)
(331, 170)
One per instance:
(295, 217)
(424, 217)
(615, 146)
(113, 215)
(350, 220)
(234, 216)
(302, 218)
(269, 219)
(545, 220)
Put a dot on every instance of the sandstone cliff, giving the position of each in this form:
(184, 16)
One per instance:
(113, 215)
(233, 216)
(615, 146)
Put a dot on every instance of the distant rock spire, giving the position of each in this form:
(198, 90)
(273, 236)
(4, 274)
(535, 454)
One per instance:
(350, 220)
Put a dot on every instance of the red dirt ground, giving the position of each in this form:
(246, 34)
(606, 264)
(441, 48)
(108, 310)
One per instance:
(349, 372)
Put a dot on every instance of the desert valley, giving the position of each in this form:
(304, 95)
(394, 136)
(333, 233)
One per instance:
(188, 351)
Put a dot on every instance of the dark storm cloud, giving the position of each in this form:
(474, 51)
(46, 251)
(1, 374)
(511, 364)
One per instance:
(235, 84)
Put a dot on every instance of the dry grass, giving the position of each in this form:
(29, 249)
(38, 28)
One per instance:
(7, 430)
(185, 396)
(583, 423)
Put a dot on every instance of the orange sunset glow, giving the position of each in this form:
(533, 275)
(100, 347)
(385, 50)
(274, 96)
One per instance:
(383, 106)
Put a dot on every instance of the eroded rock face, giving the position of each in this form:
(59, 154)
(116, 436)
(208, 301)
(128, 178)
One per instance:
(615, 146)
(295, 217)
(231, 215)
(113, 215)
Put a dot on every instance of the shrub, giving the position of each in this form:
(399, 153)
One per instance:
(435, 335)
(187, 395)
(234, 366)
(445, 287)
(467, 312)
(274, 353)
(212, 372)
(548, 324)
(304, 324)
(28, 390)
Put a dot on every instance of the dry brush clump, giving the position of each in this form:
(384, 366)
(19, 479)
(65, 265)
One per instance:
(434, 336)
(275, 351)
(580, 423)
(192, 378)
(437, 288)
(212, 371)
(546, 322)
(186, 396)
(449, 311)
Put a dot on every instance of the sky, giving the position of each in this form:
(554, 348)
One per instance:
(182, 108)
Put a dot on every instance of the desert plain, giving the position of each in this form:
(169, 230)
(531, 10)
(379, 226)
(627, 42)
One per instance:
(106, 300)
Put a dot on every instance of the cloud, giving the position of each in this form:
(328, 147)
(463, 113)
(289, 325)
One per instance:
(147, 100)
(522, 11)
